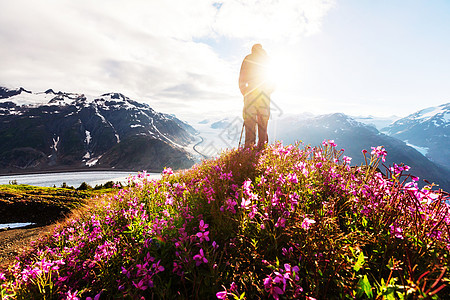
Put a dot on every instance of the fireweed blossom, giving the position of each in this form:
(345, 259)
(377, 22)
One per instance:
(307, 222)
(203, 236)
(379, 152)
(247, 198)
(347, 159)
(271, 287)
(221, 295)
(396, 231)
(200, 258)
(202, 226)
(167, 171)
(329, 143)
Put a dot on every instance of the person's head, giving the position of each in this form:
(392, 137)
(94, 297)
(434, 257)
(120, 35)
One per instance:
(256, 48)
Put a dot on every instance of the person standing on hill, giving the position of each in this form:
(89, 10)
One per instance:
(256, 89)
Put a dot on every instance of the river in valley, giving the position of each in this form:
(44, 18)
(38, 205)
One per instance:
(74, 179)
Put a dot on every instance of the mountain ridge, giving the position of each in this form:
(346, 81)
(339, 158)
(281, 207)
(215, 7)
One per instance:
(353, 136)
(429, 129)
(348, 133)
(68, 130)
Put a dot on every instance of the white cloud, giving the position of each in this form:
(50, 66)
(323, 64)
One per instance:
(141, 48)
(276, 20)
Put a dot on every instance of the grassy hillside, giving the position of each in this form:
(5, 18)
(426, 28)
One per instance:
(42, 205)
(282, 223)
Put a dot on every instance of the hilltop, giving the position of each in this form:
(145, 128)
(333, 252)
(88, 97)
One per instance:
(281, 222)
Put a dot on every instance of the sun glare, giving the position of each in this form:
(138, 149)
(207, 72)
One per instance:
(283, 70)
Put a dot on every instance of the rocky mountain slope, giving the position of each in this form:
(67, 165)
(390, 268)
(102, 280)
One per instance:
(354, 136)
(349, 134)
(57, 130)
(428, 130)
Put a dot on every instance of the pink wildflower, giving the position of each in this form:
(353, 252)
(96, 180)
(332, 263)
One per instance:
(347, 159)
(72, 296)
(221, 295)
(379, 152)
(203, 225)
(253, 211)
(274, 290)
(292, 177)
(307, 222)
(281, 223)
(157, 267)
(215, 245)
(200, 258)
(226, 176)
(203, 236)
(167, 171)
(329, 142)
(233, 287)
(140, 285)
(177, 269)
(95, 298)
(247, 184)
(245, 203)
(290, 272)
(231, 204)
(126, 272)
(396, 231)
(169, 199)
(287, 252)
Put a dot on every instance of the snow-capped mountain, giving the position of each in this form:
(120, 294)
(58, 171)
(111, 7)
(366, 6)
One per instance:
(428, 130)
(348, 133)
(353, 136)
(377, 122)
(57, 130)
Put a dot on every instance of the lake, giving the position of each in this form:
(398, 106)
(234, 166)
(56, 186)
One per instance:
(72, 178)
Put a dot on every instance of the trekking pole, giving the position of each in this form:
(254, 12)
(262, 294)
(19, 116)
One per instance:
(242, 130)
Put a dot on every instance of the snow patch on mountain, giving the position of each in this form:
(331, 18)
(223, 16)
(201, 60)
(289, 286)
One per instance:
(92, 162)
(377, 122)
(430, 112)
(88, 137)
(422, 150)
(55, 144)
(31, 99)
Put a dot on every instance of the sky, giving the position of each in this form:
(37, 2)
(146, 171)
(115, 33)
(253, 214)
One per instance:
(358, 57)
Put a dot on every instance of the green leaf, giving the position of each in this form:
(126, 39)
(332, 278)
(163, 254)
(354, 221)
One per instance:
(359, 263)
(364, 222)
(352, 250)
(364, 286)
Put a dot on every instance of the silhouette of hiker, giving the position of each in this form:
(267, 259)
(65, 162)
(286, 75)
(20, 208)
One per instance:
(256, 89)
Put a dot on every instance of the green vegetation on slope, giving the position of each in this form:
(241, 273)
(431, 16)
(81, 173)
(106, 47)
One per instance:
(283, 223)
(42, 205)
